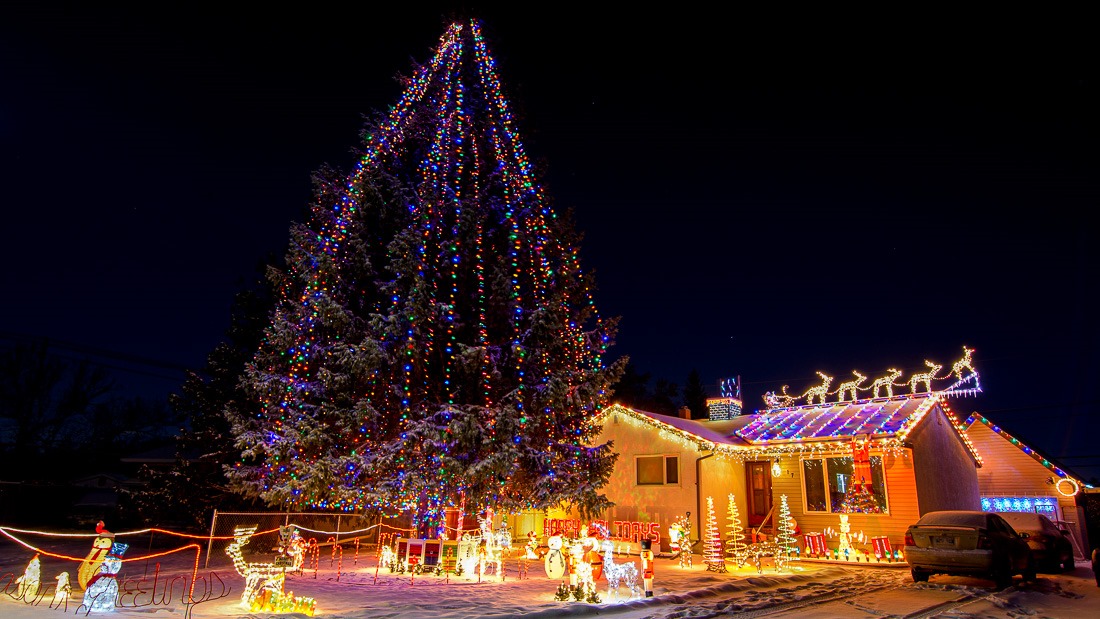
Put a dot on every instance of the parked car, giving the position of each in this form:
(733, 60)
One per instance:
(971, 543)
(1051, 549)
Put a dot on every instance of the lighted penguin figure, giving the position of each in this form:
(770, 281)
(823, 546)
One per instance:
(100, 547)
(102, 589)
(29, 582)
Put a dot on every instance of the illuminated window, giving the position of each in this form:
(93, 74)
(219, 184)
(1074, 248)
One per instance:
(1048, 506)
(826, 480)
(657, 470)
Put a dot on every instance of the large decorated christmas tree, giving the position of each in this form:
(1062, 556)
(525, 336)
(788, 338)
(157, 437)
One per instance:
(436, 342)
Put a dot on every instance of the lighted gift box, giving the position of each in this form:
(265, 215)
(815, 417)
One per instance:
(815, 544)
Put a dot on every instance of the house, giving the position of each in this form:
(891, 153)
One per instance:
(918, 459)
(911, 454)
(1017, 477)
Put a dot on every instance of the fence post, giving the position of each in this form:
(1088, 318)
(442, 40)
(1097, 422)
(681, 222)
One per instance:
(210, 541)
(338, 528)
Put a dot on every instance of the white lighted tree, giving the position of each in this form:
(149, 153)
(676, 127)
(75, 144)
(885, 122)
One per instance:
(712, 543)
(735, 537)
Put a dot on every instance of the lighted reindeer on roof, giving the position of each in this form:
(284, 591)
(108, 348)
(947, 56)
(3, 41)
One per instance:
(924, 378)
(819, 391)
(964, 363)
(851, 386)
(885, 382)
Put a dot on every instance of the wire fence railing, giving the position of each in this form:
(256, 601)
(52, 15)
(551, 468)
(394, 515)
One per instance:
(322, 528)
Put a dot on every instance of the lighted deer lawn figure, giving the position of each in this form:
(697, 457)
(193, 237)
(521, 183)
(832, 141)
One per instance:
(257, 576)
(618, 573)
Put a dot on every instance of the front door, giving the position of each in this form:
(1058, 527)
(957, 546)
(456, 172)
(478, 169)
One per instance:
(759, 483)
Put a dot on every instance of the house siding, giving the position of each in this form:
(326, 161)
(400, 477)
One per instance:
(661, 504)
(944, 470)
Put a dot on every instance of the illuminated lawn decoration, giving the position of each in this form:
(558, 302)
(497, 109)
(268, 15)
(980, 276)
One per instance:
(679, 535)
(785, 541)
(845, 549)
(618, 574)
(712, 542)
(99, 596)
(258, 577)
(735, 546)
(28, 583)
(100, 547)
(63, 592)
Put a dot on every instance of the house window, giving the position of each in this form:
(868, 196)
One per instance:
(657, 470)
(827, 480)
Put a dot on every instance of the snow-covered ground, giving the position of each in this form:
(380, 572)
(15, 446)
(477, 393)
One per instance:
(351, 587)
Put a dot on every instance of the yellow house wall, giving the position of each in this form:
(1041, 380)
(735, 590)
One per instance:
(666, 504)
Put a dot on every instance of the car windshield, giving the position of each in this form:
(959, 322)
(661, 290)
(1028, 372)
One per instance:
(955, 519)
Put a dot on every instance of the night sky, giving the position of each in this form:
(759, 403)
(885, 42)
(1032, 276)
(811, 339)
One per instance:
(761, 195)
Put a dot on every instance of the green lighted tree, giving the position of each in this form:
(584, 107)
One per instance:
(785, 535)
(436, 341)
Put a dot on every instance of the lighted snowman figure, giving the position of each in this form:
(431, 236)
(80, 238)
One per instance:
(554, 561)
(102, 589)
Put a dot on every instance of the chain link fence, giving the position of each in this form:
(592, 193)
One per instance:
(321, 528)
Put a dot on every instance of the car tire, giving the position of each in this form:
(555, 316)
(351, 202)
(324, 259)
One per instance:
(1002, 574)
(922, 576)
(1029, 572)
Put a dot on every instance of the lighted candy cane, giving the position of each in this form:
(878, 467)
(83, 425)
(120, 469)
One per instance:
(339, 562)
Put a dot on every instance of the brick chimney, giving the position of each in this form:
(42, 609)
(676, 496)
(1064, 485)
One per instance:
(685, 412)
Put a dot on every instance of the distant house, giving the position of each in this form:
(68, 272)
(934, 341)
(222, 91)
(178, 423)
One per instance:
(912, 452)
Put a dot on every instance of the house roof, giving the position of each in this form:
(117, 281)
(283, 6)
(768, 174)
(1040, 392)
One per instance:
(828, 427)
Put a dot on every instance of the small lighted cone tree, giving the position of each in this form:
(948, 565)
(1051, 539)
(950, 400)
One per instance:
(735, 538)
(784, 540)
(712, 544)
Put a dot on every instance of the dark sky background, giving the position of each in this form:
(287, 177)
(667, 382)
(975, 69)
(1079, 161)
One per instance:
(761, 195)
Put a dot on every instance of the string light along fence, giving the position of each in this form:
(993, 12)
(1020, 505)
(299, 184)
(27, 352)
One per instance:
(332, 538)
